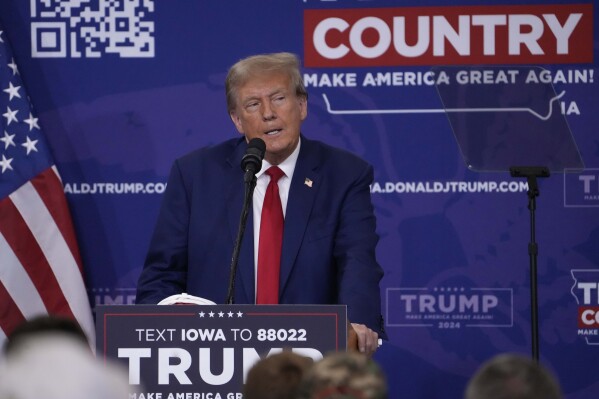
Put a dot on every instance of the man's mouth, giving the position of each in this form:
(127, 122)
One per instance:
(272, 132)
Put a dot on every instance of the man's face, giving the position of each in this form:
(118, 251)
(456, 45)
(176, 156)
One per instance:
(268, 107)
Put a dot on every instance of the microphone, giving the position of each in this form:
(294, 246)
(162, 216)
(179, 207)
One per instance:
(252, 160)
(250, 164)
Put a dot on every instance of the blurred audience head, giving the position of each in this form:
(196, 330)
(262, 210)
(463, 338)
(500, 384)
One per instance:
(512, 376)
(51, 359)
(344, 375)
(40, 326)
(276, 377)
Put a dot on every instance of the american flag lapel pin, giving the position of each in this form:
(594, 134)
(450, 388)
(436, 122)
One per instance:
(308, 182)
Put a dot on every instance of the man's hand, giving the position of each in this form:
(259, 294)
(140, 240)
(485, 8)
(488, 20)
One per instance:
(368, 340)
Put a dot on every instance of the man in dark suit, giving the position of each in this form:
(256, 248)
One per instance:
(327, 255)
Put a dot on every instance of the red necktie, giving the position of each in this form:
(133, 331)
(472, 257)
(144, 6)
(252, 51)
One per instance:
(271, 241)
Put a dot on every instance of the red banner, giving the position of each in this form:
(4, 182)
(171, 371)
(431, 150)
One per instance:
(588, 317)
(530, 34)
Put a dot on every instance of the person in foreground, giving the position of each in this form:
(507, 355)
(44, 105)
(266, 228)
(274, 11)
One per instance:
(49, 357)
(44, 324)
(327, 254)
(344, 375)
(512, 376)
(276, 377)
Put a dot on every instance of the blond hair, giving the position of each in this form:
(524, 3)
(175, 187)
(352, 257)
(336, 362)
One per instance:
(245, 69)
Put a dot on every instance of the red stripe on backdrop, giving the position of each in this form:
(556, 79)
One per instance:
(49, 187)
(10, 315)
(31, 257)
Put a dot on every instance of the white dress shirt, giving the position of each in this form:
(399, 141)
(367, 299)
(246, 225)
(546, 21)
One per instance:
(262, 180)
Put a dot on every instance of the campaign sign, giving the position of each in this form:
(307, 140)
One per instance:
(205, 352)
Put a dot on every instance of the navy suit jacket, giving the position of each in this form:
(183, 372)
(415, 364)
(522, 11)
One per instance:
(329, 239)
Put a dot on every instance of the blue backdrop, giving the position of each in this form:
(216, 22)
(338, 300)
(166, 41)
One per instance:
(124, 87)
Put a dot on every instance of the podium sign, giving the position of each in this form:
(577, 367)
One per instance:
(205, 352)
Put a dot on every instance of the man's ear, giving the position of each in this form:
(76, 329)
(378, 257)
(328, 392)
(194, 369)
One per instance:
(303, 102)
(236, 121)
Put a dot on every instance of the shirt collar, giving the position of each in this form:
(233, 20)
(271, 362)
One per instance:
(287, 166)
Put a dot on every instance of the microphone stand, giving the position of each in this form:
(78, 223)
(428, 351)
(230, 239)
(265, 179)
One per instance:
(249, 179)
(531, 173)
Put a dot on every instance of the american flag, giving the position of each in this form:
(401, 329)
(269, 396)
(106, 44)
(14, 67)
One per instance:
(40, 267)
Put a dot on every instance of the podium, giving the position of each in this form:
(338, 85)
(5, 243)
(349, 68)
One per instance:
(193, 351)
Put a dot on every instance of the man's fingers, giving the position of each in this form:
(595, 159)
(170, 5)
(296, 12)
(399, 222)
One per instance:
(367, 339)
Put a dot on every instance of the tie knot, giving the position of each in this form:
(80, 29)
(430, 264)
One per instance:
(275, 173)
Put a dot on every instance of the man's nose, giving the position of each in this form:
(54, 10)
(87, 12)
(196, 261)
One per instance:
(268, 112)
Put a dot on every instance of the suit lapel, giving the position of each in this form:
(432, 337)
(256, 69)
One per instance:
(234, 203)
(302, 192)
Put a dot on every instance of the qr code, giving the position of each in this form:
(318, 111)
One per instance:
(92, 28)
